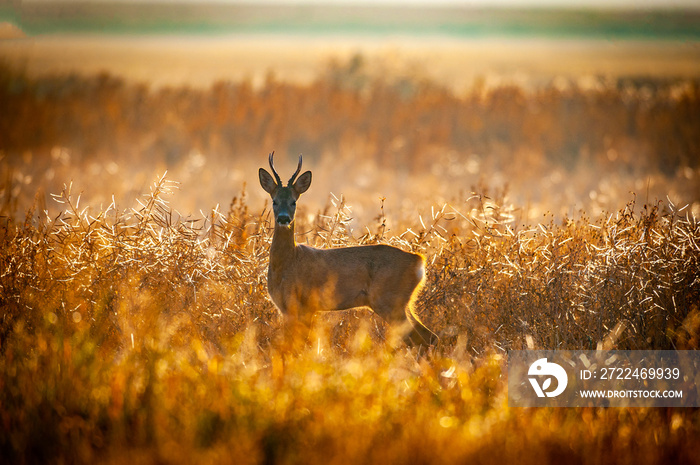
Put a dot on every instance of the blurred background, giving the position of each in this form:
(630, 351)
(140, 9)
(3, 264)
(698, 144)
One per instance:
(550, 106)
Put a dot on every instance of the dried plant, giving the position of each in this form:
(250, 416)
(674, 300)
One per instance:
(142, 335)
(144, 331)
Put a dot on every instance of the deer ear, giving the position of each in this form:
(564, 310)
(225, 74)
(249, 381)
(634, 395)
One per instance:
(266, 181)
(302, 183)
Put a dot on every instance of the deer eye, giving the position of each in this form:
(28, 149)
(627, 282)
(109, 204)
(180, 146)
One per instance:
(274, 203)
(294, 203)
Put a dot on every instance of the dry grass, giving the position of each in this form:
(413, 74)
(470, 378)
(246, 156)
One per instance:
(366, 132)
(141, 336)
(137, 335)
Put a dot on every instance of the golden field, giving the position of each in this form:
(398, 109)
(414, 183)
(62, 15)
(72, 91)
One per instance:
(554, 213)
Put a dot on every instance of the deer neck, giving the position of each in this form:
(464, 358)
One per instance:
(282, 248)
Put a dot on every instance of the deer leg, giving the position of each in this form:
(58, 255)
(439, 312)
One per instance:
(397, 312)
(392, 298)
(419, 333)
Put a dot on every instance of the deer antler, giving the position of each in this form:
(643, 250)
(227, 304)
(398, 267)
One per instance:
(291, 180)
(277, 176)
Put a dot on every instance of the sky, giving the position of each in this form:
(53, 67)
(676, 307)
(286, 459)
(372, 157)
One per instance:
(565, 3)
(634, 4)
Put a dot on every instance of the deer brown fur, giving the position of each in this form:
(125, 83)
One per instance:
(303, 279)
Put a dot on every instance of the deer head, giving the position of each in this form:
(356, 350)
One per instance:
(284, 198)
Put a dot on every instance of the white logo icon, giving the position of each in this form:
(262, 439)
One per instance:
(543, 368)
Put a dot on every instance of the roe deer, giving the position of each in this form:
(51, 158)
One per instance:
(302, 280)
